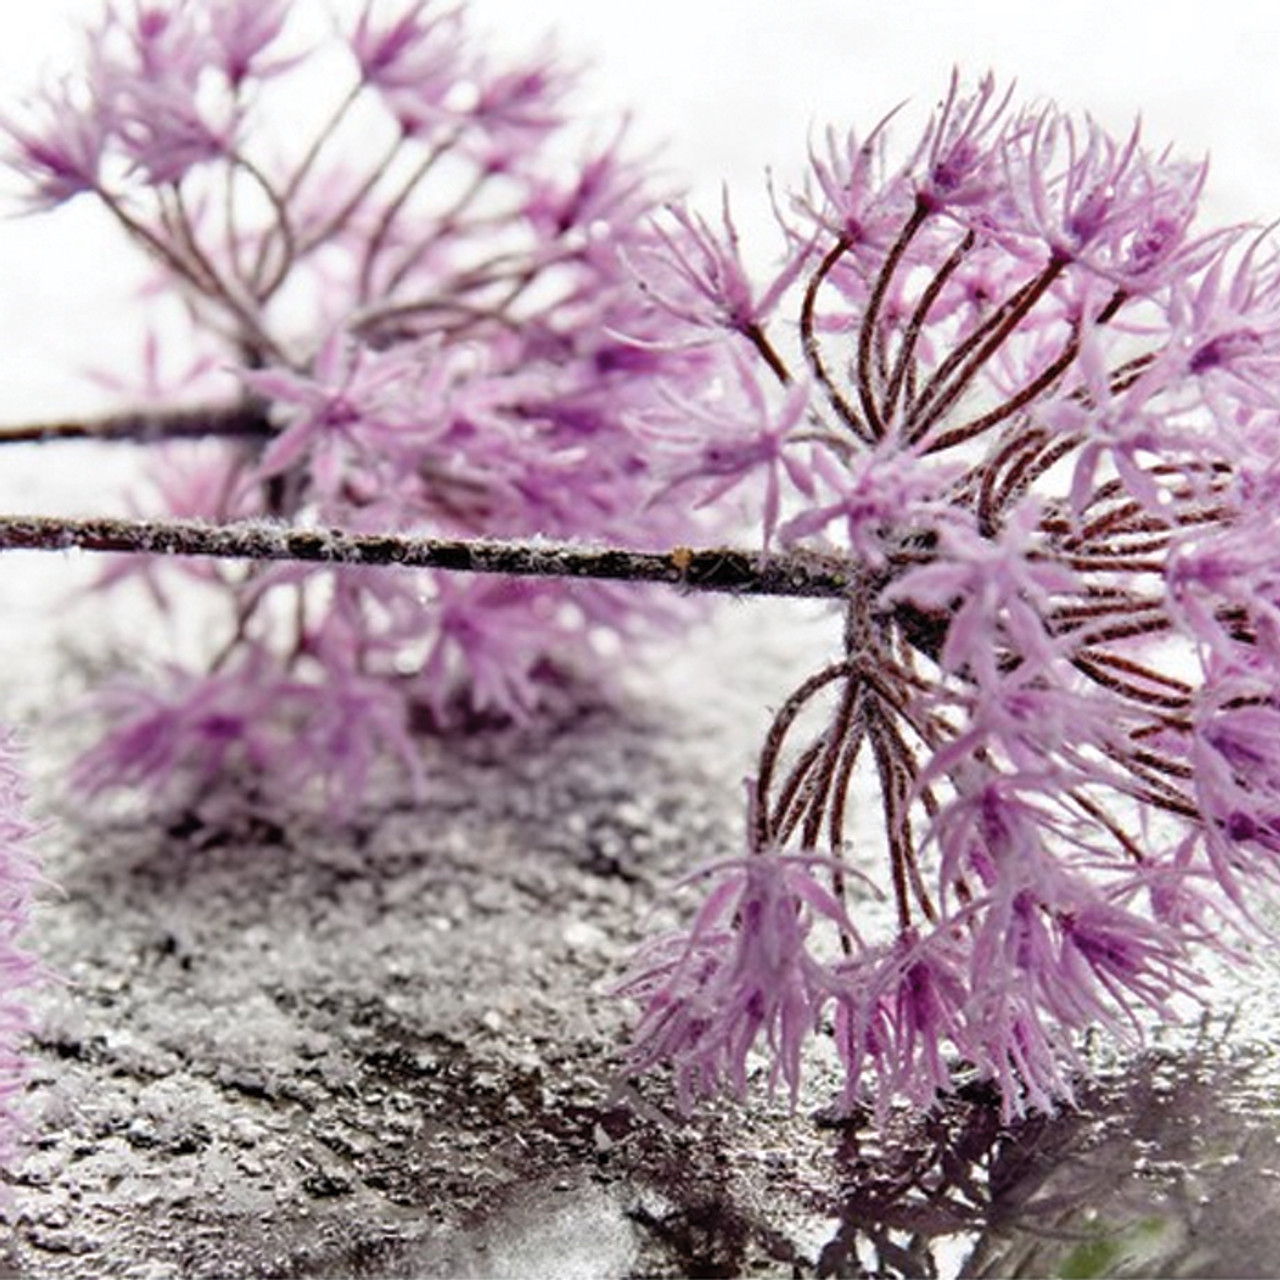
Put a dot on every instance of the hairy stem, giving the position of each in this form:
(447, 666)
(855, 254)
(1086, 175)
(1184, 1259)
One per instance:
(868, 331)
(813, 350)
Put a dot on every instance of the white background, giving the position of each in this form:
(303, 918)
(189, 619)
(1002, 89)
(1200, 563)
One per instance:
(731, 89)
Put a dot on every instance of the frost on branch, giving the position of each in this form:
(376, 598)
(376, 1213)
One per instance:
(415, 269)
(1037, 409)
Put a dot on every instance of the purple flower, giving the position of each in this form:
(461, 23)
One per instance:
(1040, 417)
(328, 412)
(1097, 200)
(242, 31)
(434, 314)
(58, 148)
(851, 192)
(1006, 378)
(743, 974)
(607, 186)
(895, 1011)
(175, 729)
(712, 288)
(415, 57)
(174, 734)
(1226, 327)
(958, 161)
(996, 593)
(398, 45)
(718, 430)
(147, 70)
(487, 645)
(518, 108)
(864, 496)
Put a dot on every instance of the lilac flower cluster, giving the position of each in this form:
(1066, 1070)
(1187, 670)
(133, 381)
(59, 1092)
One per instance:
(421, 288)
(19, 970)
(1037, 410)
(1004, 380)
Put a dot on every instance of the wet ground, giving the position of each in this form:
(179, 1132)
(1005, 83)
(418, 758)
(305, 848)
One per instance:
(288, 1046)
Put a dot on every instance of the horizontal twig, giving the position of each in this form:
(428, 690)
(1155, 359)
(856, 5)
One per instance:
(718, 569)
(143, 426)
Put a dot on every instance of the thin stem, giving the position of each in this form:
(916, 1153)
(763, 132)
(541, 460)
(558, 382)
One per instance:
(447, 224)
(1101, 562)
(943, 389)
(379, 322)
(1153, 789)
(1018, 449)
(867, 332)
(889, 771)
(194, 266)
(1110, 822)
(1065, 618)
(907, 772)
(392, 211)
(155, 244)
(1028, 469)
(840, 798)
(835, 820)
(339, 219)
(1102, 668)
(487, 275)
(317, 145)
(755, 334)
(245, 420)
(1032, 391)
(775, 738)
(1037, 386)
(1140, 618)
(1130, 518)
(817, 790)
(216, 287)
(904, 362)
(813, 351)
(231, 221)
(283, 225)
(787, 812)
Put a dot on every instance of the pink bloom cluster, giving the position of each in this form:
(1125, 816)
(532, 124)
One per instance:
(19, 970)
(1003, 377)
(416, 270)
(1038, 413)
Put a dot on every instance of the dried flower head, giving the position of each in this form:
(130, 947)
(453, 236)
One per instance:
(1037, 412)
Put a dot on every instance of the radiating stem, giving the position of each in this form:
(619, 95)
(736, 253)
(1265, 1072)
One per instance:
(776, 737)
(813, 350)
(867, 331)
(957, 371)
(904, 361)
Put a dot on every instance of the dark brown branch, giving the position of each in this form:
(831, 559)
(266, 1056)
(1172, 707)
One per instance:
(142, 426)
(708, 569)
